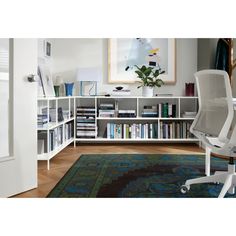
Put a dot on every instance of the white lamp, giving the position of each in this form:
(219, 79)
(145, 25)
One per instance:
(90, 74)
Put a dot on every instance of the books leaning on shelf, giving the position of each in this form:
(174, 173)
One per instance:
(52, 114)
(175, 130)
(85, 122)
(67, 114)
(106, 110)
(132, 131)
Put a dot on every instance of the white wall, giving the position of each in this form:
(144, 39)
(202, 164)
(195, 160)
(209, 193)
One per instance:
(68, 54)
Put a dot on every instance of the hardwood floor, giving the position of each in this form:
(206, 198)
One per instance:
(59, 165)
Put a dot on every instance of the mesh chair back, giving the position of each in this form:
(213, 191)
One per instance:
(215, 103)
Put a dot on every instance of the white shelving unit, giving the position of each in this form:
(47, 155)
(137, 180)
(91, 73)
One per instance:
(67, 103)
(125, 103)
(136, 103)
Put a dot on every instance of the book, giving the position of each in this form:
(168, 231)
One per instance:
(123, 92)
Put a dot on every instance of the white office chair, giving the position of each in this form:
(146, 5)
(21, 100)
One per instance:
(214, 126)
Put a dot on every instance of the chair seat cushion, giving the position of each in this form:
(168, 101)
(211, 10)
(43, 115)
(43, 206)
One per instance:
(216, 142)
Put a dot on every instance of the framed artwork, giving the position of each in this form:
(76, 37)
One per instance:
(46, 80)
(125, 53)
(47, 48)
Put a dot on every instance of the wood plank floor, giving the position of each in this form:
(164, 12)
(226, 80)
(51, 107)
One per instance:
(59, 165)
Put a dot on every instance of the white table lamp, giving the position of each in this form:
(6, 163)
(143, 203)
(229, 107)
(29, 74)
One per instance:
(92, 74)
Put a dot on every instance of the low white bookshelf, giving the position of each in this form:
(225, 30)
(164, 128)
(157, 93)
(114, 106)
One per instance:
(132, 103)
(60, 128)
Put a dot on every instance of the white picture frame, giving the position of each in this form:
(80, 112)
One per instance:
(46, 80)
(118, 53)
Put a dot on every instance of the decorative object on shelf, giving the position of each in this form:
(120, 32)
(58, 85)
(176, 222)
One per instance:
(88, 75)
(124, 54)
(57, 86)
(119, 88)
(149, 80)
(189, 89)
(46, 78)
(57, 90)
(69, 89)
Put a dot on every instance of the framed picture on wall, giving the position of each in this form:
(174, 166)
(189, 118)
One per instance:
(125, 53)
(47, 48)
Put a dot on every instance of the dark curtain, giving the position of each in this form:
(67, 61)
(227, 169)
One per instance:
(222, 55)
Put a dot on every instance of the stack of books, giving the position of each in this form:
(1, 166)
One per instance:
(106, 110)
(132, 131)
(167, 110)
(55, 138)
(85, 120)
(189, 114)
(123, 92)
(149, 111)
(126, 113)
(42, 120)
(175, 130)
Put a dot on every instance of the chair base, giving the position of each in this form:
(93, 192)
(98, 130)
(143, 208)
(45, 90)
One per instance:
(228, 178)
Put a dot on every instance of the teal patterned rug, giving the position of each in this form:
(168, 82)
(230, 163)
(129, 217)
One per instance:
(137, 176)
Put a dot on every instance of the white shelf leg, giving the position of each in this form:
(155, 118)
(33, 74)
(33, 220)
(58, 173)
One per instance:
(208, 161)
(48, 164)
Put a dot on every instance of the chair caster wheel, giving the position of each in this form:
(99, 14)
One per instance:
(184, 189)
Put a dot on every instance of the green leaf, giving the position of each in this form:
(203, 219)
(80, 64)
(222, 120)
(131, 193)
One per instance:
(139, 73)
(148, 71)
(143, 68)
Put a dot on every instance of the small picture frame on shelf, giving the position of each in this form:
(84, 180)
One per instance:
(47, 48)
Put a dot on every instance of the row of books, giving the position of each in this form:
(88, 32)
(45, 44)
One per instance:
(61, 115)
(167, 110)
(52, 113)
(164, 110)
(56, 137)
(85, 122)
(175, 130)
(69, 130)
(131, 131)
